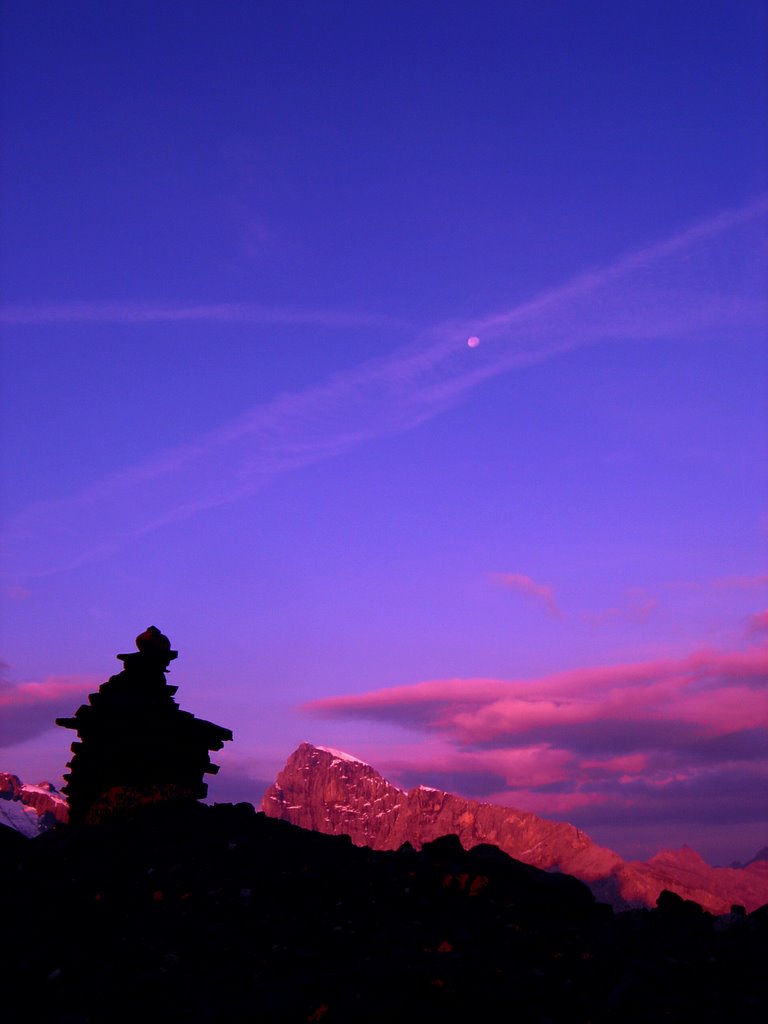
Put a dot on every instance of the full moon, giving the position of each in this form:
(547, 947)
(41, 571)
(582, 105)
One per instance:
(473, 342)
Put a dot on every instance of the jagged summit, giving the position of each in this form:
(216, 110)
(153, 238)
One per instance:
(319, 789)
(136, 745)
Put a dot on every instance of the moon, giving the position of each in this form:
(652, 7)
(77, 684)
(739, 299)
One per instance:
(473, 342)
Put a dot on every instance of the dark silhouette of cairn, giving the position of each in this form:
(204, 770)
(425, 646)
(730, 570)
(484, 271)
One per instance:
(137, 746)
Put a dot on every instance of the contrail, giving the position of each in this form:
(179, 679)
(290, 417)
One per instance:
(221, 312)
(704, 282)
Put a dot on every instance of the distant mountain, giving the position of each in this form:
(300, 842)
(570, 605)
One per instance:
(760, 855)
(329, 791)
(30, 809)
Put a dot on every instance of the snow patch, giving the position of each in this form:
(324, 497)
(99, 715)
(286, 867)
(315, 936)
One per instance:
(341, 755)
(532, 848)
(15, 815)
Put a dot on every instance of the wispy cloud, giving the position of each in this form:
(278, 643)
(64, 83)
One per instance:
(637, 606)
(645, 737)
(152, 313)
(525, 585)
(758, 623)
(673, 288)
(737, 582)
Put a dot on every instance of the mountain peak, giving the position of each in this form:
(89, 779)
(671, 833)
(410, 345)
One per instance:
(328, 790)
(684, 856)
(340, 755)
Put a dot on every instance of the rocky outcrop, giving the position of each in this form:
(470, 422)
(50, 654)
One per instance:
(30, 809)
(330, 791)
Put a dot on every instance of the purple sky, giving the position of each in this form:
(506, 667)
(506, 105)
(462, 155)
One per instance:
(244, 247)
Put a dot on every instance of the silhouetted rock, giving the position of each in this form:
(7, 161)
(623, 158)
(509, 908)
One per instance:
(136, 745)
(330, 791)
(196, 914)
(674, 905)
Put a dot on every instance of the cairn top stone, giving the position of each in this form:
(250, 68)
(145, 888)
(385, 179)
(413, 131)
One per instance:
(151, 644)
(153, 640)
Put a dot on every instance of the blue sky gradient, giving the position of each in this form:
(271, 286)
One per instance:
(244, 248)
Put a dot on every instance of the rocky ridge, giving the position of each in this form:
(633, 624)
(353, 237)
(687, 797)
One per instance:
(192, 914)
(329, 791)
(30, 809)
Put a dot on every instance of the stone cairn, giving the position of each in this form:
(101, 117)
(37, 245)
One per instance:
(137, 746)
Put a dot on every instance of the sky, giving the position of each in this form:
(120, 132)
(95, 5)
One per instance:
(244, 248)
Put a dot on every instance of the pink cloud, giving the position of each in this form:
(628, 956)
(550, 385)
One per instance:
(758, 623)
(685, 736)
(734, 582)
(525, 585)
(524, 767)
(637, 608)
(700, 689)
(29, 709)
(624, 766)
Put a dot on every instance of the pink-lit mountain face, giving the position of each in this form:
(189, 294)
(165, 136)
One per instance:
(30, 809)
(329, 791)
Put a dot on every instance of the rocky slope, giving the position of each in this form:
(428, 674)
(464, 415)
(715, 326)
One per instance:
(30, 809)
(329, 791)
(195, 915)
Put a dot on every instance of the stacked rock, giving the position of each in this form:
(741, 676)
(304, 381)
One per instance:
(136, 745)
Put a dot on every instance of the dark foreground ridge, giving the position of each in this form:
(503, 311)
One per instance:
(195, 914)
